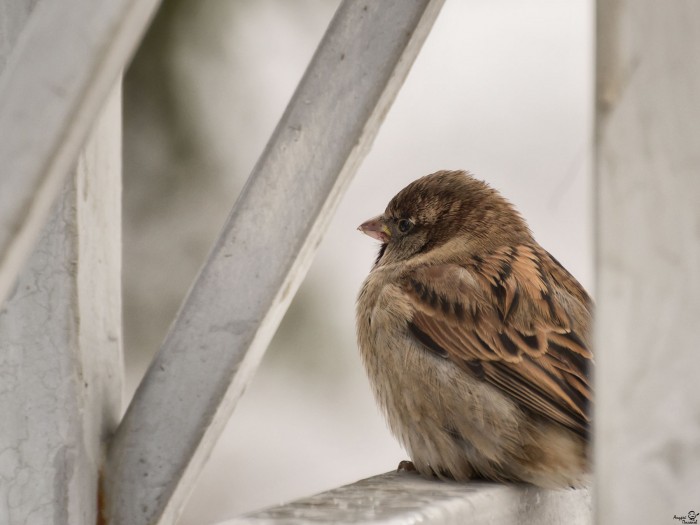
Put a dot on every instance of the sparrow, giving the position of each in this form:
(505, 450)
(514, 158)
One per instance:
(475, 339)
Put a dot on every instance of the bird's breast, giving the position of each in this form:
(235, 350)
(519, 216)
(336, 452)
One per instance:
(433, 407)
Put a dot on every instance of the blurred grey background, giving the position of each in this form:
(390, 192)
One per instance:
(502, 88)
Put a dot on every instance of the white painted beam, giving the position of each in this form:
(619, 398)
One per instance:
(261, 257)
(648, 261)
(63, 62)
(60, 345)
(407, 498)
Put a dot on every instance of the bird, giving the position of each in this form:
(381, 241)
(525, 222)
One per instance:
(475, 339)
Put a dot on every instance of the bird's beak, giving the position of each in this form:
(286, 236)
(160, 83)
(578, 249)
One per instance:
(376, 228)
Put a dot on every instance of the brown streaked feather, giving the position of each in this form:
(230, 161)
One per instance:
(518, 318)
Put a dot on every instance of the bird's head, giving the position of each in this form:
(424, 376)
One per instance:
(449, 211)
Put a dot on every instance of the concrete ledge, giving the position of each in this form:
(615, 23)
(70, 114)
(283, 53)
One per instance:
(403, 498)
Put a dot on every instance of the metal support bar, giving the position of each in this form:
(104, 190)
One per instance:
(261, 256)
(406, 498)
(57, 77)
(648, 262)
(60, 345)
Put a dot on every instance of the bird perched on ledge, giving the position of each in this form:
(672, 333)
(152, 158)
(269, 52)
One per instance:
(475, 339)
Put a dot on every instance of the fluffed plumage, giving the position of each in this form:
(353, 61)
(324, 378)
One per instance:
(475, 339)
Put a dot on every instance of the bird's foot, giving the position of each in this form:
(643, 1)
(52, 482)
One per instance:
(406, 466)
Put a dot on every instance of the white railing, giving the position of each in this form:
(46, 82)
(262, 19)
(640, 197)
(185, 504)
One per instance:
(404, 498)
(60, 326)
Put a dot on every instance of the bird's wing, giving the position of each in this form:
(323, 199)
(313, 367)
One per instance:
(516, 319)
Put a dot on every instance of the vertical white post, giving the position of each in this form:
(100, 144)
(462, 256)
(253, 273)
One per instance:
(60, 345)
(648, 261)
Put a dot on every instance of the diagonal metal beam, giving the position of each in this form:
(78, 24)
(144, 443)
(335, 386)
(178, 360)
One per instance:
(260, 258)
(57, 77)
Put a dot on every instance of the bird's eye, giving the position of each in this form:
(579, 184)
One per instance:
(405, 225)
